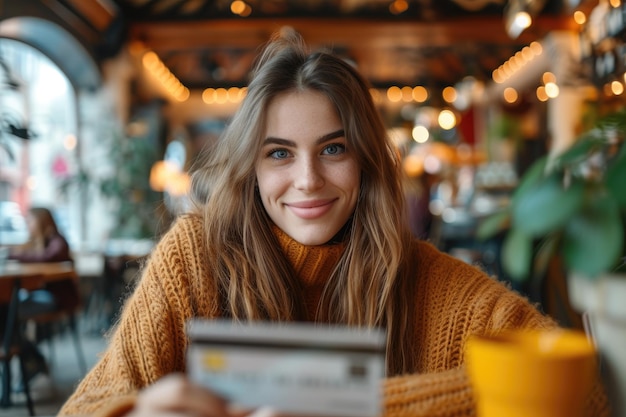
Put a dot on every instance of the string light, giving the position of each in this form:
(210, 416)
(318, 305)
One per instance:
(510, 95)
(398, 6)
(617, 88)
(223, 95)
(394, 94)
(153, 64)
(516, 62)
(420, 94)
(446, 119)
(449, 94)
(579, 17)
(240, 8)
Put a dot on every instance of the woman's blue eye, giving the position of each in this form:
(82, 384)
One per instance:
(279, 154)
(334, 149)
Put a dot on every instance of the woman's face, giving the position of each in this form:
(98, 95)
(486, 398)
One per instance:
(308, 177)
(34, 228)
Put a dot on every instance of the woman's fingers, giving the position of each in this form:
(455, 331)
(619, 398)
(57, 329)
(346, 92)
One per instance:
(264, 412)
(175, 395)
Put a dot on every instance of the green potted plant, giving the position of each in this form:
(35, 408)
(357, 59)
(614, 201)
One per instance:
(574, 204)
(573, 207)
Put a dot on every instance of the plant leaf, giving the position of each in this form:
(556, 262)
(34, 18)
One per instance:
(517, 254)
(616, 178)
(545, 252)
(530, 178)
(593, 239)
(547, 205)
(493, 224)
(579, 151)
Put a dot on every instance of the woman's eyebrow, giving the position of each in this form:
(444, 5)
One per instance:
(286, 142)
(278, 141)
(329, 136)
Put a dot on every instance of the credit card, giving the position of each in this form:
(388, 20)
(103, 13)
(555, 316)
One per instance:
(295, 368)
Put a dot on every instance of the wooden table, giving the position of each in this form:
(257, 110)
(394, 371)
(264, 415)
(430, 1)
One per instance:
(48, 271)
(13, 277)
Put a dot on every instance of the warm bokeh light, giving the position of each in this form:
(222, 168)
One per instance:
(498, 76)
(150, 60)
(420, 134)
(179, 184)
(247, 11)
(548, 77)
(580, 17)
(420, 94)
(516, 62)
(506, 68)
(221, 95)
(446, 119)
(552, 90)
(398, 6)
(167, 176)
(536, 48)
(510, 95)
(617, 88)
(413, 165)
(208, 95)
(541, 93)
(394, 94)
(523, 20)
(153, 64)
(407, 94)
(69, 143)
(449, 94)
(159, 174)
(238, 7)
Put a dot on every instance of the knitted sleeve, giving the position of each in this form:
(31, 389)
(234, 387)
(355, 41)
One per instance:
(149, 340)
(454, 301)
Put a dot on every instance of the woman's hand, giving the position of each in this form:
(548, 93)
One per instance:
(174, 395)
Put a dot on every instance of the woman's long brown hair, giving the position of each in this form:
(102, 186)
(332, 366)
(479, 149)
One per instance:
(369, 286)
(46, 227)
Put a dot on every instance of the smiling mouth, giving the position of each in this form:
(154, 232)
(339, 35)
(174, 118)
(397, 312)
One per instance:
(312, 209)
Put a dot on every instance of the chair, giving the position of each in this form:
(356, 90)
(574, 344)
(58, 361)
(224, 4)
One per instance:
(13, 343)
(66, 304)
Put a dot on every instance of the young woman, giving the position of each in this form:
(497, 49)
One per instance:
(45, 243)
(300, 217)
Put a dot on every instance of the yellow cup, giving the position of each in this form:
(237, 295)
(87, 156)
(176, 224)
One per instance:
(531, 373)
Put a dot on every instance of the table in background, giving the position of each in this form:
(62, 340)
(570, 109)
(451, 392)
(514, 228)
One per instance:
(30, 276)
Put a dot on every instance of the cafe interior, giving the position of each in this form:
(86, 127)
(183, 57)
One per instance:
(106, 104)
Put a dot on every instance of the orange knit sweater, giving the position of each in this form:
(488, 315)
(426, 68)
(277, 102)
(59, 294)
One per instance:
(453, 300)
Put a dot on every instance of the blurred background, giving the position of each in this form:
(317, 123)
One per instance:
(105, 103)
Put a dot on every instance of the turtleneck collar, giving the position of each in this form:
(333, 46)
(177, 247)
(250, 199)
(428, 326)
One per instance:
(311, 264)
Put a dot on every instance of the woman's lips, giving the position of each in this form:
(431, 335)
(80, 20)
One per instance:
(311, 209)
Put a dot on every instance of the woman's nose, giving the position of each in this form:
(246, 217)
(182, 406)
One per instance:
(308, 176)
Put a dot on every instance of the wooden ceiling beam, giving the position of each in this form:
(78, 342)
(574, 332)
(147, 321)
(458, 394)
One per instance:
(389, 51)
(251, 33)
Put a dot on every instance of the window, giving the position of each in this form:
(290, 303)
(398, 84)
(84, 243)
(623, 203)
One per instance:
(38, 134)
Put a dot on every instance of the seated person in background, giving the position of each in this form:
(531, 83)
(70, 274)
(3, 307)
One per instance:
(299, 215)
(45, 243)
